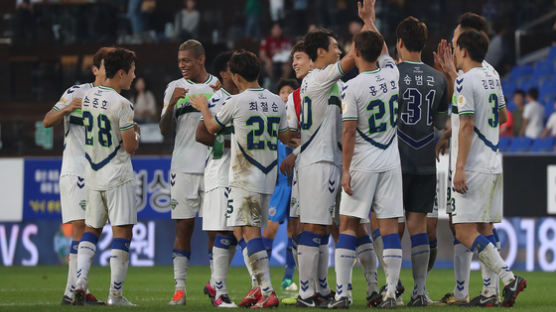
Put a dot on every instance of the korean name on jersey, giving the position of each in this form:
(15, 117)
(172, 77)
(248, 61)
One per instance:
(258, 116)
(320, 117)
(477, 92)
(73, 159)
(218, 166)
(105, 114)
(371, 99)
(189, 156)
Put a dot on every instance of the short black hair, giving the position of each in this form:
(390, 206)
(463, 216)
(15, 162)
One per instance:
(220, 63)
(193, 45)
(118, 58)
(100, 55)
(413, 33)
(287, 82)
(476, 44)
(533, 93)
(470, 20)
(298, 47)
(520, 92)
(369, 43)
(246, 64)
(316, 39)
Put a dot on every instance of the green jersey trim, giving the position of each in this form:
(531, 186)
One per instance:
(106, 88)
(255, 89)
(415, 63)
(372, 71)
(126, 128)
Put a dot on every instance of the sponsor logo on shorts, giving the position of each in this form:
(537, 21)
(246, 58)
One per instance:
(173, 203)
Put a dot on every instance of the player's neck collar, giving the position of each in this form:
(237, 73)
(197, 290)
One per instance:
(207, 81)
(225, 92)
(106, 88)
(412, 62)
(371, 71)
(254, 89)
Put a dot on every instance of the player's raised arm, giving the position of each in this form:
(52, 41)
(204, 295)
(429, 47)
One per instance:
(366, 11)
(200, 103)
(57, 113)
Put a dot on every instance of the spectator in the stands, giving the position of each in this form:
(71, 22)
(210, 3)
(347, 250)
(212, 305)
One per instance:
(533, 116)
(517, 114)
(136, 18)
(506, 129)
(253, 11)
(186, 21)
(550, 129)
(274, 51)
(145, 104)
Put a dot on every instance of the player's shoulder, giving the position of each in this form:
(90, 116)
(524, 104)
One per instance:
(212, 80)
(175, 83)
(490, 68)
(78, 89)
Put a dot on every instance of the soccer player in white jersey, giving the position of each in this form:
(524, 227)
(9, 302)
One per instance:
(111, 137)
(462, 255)
(372, 176)
(215, 202)
(188, 157)
(73, 187)
(477, 168)
(259, 120)
(319, 159)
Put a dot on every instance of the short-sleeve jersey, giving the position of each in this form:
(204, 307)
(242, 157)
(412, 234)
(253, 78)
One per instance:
(476, 92)
(257, 116)
(73, 158)
(218, 163)
(371, 99)
(423, 96)
(105, 114)
(189, 155)
(320, 118)
(293, 108)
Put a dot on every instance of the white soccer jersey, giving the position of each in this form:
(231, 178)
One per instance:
(293, 121)
(494, 72)
(218, 164)
(321, 116)
(371, 99)
(189, 156)
(477, 92)
(105, 114)
(257, 116)
(73, 159)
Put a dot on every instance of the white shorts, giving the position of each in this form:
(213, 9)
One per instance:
(117, 205)
(186, 193)
(247, 208)
(483, 201)
(215, 204)
(318, 186)
(294, 202)
(73, 198)
(379, 191)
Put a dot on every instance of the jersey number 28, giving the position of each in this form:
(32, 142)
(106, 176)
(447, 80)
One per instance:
(104, 129)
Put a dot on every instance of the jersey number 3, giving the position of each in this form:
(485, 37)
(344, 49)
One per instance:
(104, 129)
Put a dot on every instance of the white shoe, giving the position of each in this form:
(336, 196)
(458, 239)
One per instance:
(292, 287)
(224, 301)
(399, 301)
(118, 301)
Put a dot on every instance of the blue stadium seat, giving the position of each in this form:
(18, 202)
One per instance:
(543, 68)
(504, 144)
(548, 108)
(552, 53)
(547, 90)
(520, 145)
(543, 145)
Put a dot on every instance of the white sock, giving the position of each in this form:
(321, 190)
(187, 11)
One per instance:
(249, 266)
(392, 257)
(462, 268)
(420, 252)
(119, 261)
(221, 258)
(308, 257)
(211, 266)
(260, 263)
(491, 258)
(322, 271)
(367, 257)
(379, 246)
(85, 254)
(181, 263)
(343, 258)
(72, 269)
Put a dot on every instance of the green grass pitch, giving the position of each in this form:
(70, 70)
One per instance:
(41, 288)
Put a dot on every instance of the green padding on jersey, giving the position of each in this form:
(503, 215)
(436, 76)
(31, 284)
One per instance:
(76, 120)
(77, 111)
(218, 147)
(334, 98)
(183, 105)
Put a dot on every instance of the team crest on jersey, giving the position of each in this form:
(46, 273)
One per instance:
(173, 203)
(461, 100)
(272, 211)
(344, 105)
(83, 204)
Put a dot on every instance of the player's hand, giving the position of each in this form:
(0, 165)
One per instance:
(73, 105)
(459, 182)
(366, 10)
(346, 182)
(442, 147)
(216, 86)
(178, 94)
(288, 164)
(199, 102)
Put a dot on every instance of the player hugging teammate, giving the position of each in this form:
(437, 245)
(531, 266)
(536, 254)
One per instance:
(373, 136)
